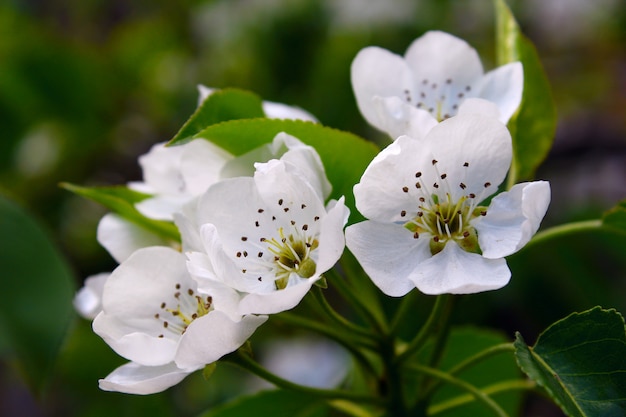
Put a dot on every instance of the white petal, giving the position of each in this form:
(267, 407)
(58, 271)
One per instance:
(121, 238)
(134, 345)
(276, 301)
(481, 141)
(378, 72)
(455, 271)
(504, 86)
(212, 336)
(282, 111)
(379, 194)
(294, 185)
(133, 295)
(331, 238)
(479, 106)
(388, 253)
(438, 56)
(399, 118)
(306, 160)
(203, 93)
(133, 378)
(162, 207)
(200, 165)
(88, 300)
(512, 218)
(161, 168)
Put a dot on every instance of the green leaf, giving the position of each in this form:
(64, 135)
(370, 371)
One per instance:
(276, 403)
(616, 217)
(463, 343)
(534, 125)
(344, 155)
(220, 106)
(121, 200)
(36, 296)
(581, 362)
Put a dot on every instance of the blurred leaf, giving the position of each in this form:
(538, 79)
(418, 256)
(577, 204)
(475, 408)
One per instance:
(36, 297)
(463, 343)
(581, 362)
(121, 200)
(220, 106)
(345, 156)
(616, 217)
(276, 403)
(534, 125)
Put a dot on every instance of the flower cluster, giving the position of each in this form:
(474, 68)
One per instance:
(258, 230)
(170, 312)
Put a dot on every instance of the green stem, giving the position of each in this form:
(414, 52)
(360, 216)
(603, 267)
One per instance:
(403, 309)
(481, 356)
(346, 340)
(434, 320)
(246, 362)
(564, 229)
(471, 361)
(505, 386)
(392, 387)
(336, 317)
(363, 310)
(478, 394)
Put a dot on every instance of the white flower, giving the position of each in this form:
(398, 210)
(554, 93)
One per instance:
(154, 315)
(271, 109)
(439, 77)
(176, 174)
(269, 237)
(427, 227)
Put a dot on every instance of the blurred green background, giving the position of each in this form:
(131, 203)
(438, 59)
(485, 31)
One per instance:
(87, 86)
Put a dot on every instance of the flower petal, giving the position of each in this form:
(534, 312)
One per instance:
(379, 194)
(401, 118)
(212, 336)
(378, 72)
(437, 56)
(472, 149)
(133, 378)
(200, 165)
(455, 271)
(275, 110)
(276, 301)
(331, 238)
(504, 86)
(121, 238)
(88, 300)
(388, 253)
(134, 345)
(513, 217)
(132, 295)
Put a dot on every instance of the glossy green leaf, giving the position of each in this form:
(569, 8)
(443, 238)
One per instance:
(220, 106)
(463, 343)
(534, 125)
(121, 200)
(272, 403)
(344, 155)
(581, 362)
(616, 217)
(36, 296)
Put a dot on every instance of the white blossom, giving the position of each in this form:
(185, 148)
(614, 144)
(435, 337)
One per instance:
(270, 237)
(439, 76)
(429, 225)
(154, 315)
